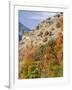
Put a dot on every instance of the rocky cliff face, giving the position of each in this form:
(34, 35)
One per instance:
(43, 48)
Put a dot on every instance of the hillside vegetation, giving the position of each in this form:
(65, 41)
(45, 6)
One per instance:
(41, 50)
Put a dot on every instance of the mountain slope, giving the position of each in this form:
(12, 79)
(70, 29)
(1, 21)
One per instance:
(45, 30)
(41, 51)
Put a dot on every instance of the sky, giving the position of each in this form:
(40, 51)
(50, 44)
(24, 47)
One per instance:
(32, 18)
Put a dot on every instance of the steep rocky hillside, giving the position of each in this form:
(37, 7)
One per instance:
(41, 50)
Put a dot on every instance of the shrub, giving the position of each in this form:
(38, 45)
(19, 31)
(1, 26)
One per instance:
(56, 71)
(58, 15)
(40, 34)
(46, 33)
(34, 71)
(49, 18)
(58, 25)
(45, 39)
(51, 43)
(37, 27)
(61, 13)
(50, 33)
